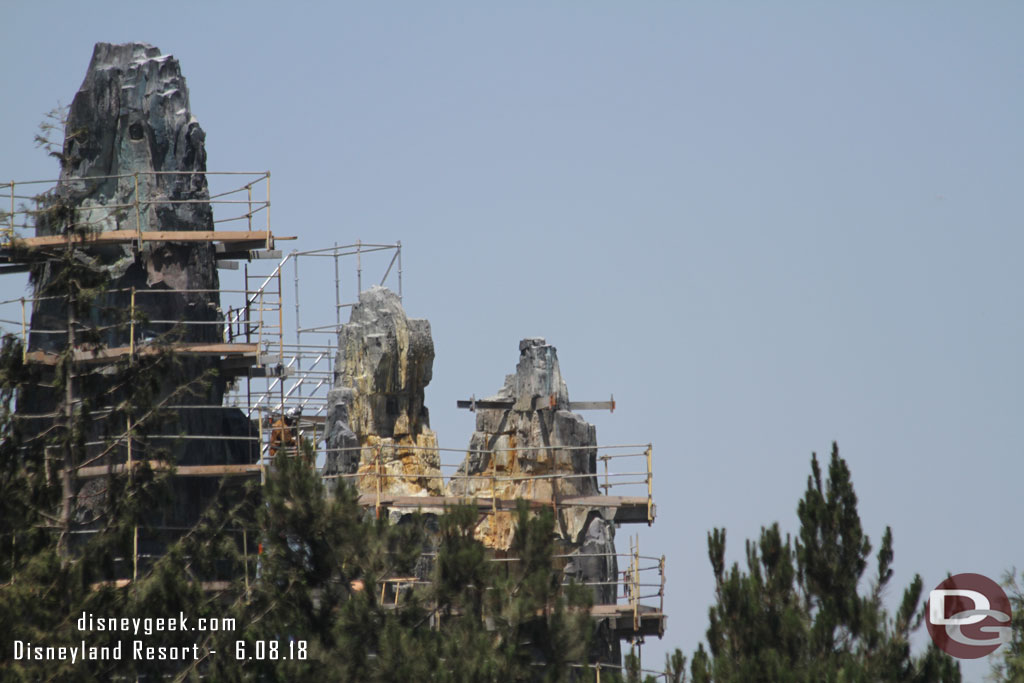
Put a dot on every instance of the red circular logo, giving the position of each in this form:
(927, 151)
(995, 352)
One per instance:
(968, 616)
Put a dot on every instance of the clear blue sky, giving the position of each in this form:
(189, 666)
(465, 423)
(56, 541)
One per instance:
(763, 228)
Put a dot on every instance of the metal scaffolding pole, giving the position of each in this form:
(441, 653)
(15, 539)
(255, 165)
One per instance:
(298, 328)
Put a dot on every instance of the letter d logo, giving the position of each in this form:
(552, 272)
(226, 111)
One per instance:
(937, 606)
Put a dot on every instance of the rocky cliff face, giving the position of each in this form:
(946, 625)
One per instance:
(377, 425)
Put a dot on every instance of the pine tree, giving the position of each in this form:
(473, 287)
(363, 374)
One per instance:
(796, 614)
(327, 562)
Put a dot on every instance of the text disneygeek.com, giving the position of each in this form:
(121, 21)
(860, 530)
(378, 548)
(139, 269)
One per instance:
(145, 650)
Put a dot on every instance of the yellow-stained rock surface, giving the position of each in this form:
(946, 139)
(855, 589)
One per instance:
(378, 432)
(538, 454)
(404, 466)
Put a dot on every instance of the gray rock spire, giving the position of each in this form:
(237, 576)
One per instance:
(377, 423)
(538, 448)
(134, 159)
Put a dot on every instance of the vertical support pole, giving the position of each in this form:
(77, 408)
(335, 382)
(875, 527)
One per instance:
(298, 324)
(131, 478)
(69, 466)
(270, 242)
(248, 401)
(280, 318)
(635, 586)
(399, 243)
(10, 216)
(379, 474)
(135, 554)
(259, 323)
(494, 498)
(315, 442)
(650, 488)
(263, 461)
(337, 289)
(131, 328)
(138, 213)
(24, 334)
(359, 267)
(245, 559)
(607, 485)
(248, 307)
(661, 591)
(554, 490)
(248, 189)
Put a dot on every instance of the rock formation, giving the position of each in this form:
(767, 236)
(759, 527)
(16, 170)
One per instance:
(537, 448)
(378, 428)
(131, 138)
(134, 159)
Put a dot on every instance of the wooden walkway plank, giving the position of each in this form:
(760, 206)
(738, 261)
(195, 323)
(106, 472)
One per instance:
(106, 354)
(627, 509)
(127, 236)
(180, 471)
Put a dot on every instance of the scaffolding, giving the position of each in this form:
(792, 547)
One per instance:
(279, 358)
(305, 348)
(630, 617)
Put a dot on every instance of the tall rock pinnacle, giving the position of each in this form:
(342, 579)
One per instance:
(516, 450)
(377, 424)
(538, 448)
(134, 159)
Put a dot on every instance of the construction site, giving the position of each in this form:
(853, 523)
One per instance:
(193, 268)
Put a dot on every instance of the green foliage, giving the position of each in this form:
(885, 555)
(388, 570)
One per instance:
(1009, 659)
(53, 135)
(327, 563)
(796, 614)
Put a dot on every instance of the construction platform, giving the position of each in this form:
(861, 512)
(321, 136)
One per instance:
(102, 355)
(628, 622)
(624, 509)
(257, 239)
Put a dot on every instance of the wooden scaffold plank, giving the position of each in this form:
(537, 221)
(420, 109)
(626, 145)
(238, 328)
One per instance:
(107, 354)
(127, 236)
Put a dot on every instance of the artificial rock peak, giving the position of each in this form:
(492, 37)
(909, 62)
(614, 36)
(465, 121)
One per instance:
(134, 159)
(377, 424)
(514, 449)
(130, 138)
(538, 448)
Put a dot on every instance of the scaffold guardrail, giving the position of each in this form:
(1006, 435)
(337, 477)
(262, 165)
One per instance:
(240, 203)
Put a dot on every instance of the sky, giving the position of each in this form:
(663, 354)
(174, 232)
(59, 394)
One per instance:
(763, 227)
